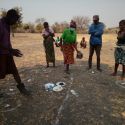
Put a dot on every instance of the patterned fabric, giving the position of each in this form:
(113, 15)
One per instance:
(120, 56)
(49, 49)
(68, 53)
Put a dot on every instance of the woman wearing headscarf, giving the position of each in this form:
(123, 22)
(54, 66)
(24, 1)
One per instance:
(48, 35)
(68, 45)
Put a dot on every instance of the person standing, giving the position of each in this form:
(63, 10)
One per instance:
(7, 64)
(120, 49)
(96, 31)
(48, 41)
(68, 45)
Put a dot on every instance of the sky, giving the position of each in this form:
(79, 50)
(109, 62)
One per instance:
(110, 11)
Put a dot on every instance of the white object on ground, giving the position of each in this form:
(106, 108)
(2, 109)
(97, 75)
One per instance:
(29, 80)
(123, 83)
(58, 88)
(93, 72)
(74, 93)
(49, 86)
(11, 90)
(7, 105)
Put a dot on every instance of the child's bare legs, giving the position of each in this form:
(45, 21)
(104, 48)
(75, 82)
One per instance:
(115, 69)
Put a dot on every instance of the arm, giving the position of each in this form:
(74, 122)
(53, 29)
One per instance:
(92, 31)
(62, 37)
(51, 32)
(45, 36)
(75, 47)
(100, 30)
(75, 44)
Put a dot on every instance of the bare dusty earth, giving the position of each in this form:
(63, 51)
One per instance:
(100, 97)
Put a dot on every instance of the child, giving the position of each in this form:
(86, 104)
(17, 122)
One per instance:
(83, 43)
(120, 49)
(57, 41)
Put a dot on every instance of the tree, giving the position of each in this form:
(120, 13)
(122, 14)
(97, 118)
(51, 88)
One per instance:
(82, 22)
(39, 24)
(3, 12)
(29, 27)
(39, 28)
(40, 20)
(59, 27)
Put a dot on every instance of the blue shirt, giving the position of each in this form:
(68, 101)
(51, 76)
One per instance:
(96, 31)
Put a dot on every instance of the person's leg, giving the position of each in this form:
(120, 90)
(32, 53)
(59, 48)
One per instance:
(91, 52)
(115, 69)
(67, 69)
(98, 50)
(2, 70)
(123, 71)
(3, 59)
(13, 69)
(47, 64)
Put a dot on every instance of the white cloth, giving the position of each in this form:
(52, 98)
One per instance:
(46, 33)
(122, 47)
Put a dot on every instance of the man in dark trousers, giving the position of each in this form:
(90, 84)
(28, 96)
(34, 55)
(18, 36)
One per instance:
(7, 64)
(96, 31)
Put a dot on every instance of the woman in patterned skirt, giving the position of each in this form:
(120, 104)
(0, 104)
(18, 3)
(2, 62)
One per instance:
(68, 45)
(48, 35)
(120, 49)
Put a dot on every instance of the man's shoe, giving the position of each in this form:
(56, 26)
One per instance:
(23, 90)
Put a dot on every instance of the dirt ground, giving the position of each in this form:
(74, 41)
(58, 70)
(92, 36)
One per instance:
(100, 98)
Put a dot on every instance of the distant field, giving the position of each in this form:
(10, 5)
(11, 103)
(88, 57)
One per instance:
(32, 48)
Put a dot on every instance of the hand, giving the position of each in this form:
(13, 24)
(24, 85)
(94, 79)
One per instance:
(16, 52)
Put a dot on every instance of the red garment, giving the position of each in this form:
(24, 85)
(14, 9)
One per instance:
(68, 53)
